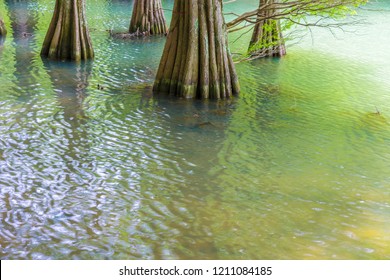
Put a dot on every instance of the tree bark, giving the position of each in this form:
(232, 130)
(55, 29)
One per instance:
(196, 62)
(267, 39)
(148, 18)
(3, 30)
(68, 37)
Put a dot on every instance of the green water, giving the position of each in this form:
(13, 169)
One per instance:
(296, 167)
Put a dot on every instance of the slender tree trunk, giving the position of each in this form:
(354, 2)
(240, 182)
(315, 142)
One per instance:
(68, 36)
(148, 18)
(3, 30)
(267, 39)
(196, 62)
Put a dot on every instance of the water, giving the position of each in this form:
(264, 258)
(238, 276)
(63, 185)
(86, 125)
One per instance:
(296, 167)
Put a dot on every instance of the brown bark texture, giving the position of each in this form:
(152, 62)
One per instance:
(196, 62)
(3, 30)
(68, 36)
(267, 39)
(148, 18)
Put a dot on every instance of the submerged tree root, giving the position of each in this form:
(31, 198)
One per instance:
(127, 35)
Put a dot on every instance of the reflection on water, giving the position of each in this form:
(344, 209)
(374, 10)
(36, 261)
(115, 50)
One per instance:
(92, 166)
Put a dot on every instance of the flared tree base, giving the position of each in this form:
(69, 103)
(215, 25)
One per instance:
(147, 18)
(68, 37)
(267, 39)
(196, 62)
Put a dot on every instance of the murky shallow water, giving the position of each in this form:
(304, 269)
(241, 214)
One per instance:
(297, 167)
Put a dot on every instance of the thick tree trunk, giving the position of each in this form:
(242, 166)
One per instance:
(68, 36)
(267, 39)
(148, 18)
(196, 62)
(3, 30)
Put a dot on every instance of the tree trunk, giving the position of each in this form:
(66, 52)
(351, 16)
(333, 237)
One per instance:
(267, 39)
(148, 18)
(3, 30)
(68, 36)
(196, 62)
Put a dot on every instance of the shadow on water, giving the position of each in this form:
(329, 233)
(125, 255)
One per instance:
(70, 82)
(165, 147)
(23, 23)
